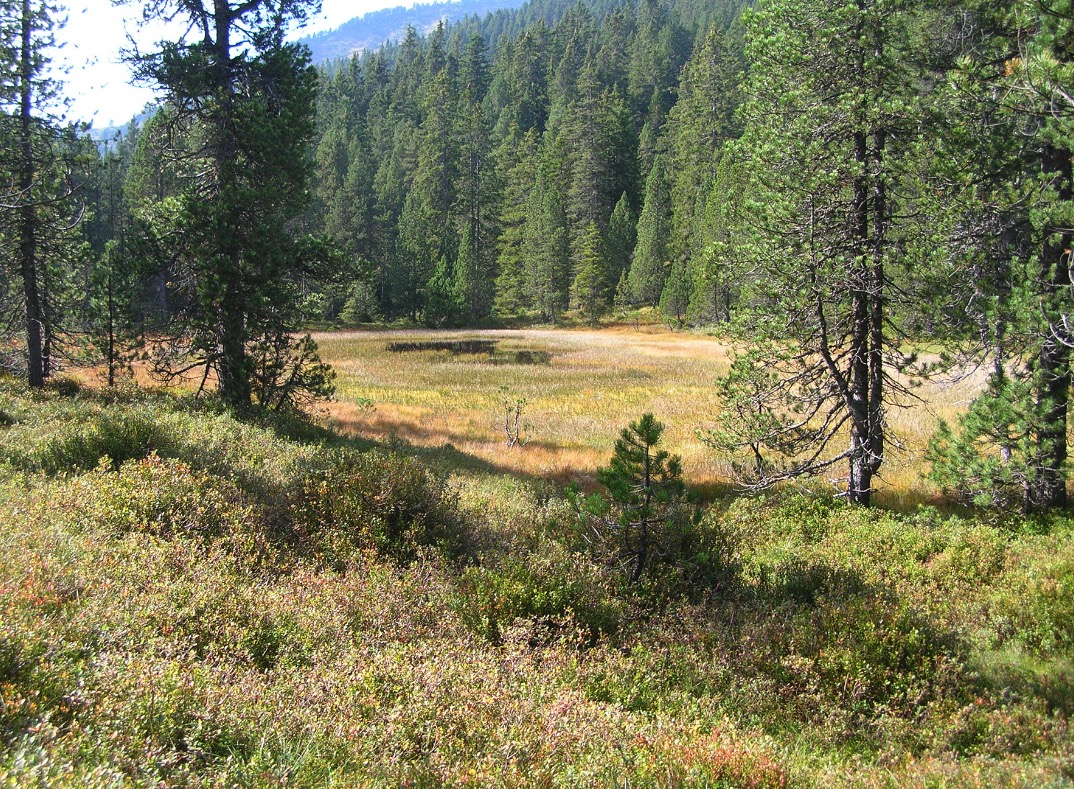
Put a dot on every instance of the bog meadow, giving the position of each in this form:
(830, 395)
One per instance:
(653, 393)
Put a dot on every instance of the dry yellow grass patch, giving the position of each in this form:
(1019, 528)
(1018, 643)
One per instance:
(593, 385)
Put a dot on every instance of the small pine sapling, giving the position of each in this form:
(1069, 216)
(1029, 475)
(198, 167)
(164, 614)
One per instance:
(646, 496)
(994, 455)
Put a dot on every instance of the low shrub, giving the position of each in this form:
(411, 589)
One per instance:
(164, 498)
(1039, 603)
(855, 656)
(551, 583)
(78, 444)
(807, 580)
(380, 500)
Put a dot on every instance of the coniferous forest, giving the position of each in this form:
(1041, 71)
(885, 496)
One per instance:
(837, 211)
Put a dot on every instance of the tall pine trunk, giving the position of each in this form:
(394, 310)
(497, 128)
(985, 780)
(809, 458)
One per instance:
(859, 482)
(28, 212)
(866, 387)
(234, 362)
(1053, 360)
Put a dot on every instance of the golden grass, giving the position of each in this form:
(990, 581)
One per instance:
(595, 383)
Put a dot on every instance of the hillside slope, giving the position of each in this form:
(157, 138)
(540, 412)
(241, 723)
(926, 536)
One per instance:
(189, 599)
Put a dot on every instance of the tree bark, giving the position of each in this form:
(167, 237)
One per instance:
(859, 483)
(28, 211)
(1053, 359)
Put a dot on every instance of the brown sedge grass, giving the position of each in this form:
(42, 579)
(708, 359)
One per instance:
(597, 382)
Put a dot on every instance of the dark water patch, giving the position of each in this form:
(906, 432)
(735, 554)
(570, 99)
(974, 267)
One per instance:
(454, 347)
(474, 348)
(524, 357)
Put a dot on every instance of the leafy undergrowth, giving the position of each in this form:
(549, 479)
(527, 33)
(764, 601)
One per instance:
(191, 600)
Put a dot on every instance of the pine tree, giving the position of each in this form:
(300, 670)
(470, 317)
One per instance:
(114, 324)
(622, 236)
(242, 101)
(831, 125)
(646, 488)
(675, 298)
(995, 457)
(38, 201)
(547, 250)
(1007, 157)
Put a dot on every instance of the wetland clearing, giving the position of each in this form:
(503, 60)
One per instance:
(580, 387)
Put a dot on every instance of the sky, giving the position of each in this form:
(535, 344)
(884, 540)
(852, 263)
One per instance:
(97, 82)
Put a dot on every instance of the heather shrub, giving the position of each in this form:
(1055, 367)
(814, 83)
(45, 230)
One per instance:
(970, 559)
(550, 583)
(807, 579)
(379, 500)
(78, 444)
(1038, 600)
(164, 498)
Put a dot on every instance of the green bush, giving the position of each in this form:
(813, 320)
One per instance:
(165, 498)
(375, 500)
(1039, 604)
(550, 583)
(806, 580)
(79, 443)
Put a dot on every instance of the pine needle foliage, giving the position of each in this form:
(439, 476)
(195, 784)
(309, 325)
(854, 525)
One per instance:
(646, 495)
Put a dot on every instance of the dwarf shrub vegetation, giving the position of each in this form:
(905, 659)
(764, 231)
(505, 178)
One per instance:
(192, 600)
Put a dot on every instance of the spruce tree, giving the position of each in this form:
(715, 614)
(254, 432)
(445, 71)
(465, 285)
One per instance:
(516, 158)
(649, 268)
(710, 266)
(698, 125)
(591, 280)
(622, 236)
(472, 285)
(547, 250)
(442, 305)
(675, 298)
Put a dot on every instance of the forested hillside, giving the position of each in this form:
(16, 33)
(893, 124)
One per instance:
(467, 179)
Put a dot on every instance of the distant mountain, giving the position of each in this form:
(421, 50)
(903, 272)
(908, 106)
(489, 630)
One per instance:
(363, 32)
(377, 27)
(106, 137)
